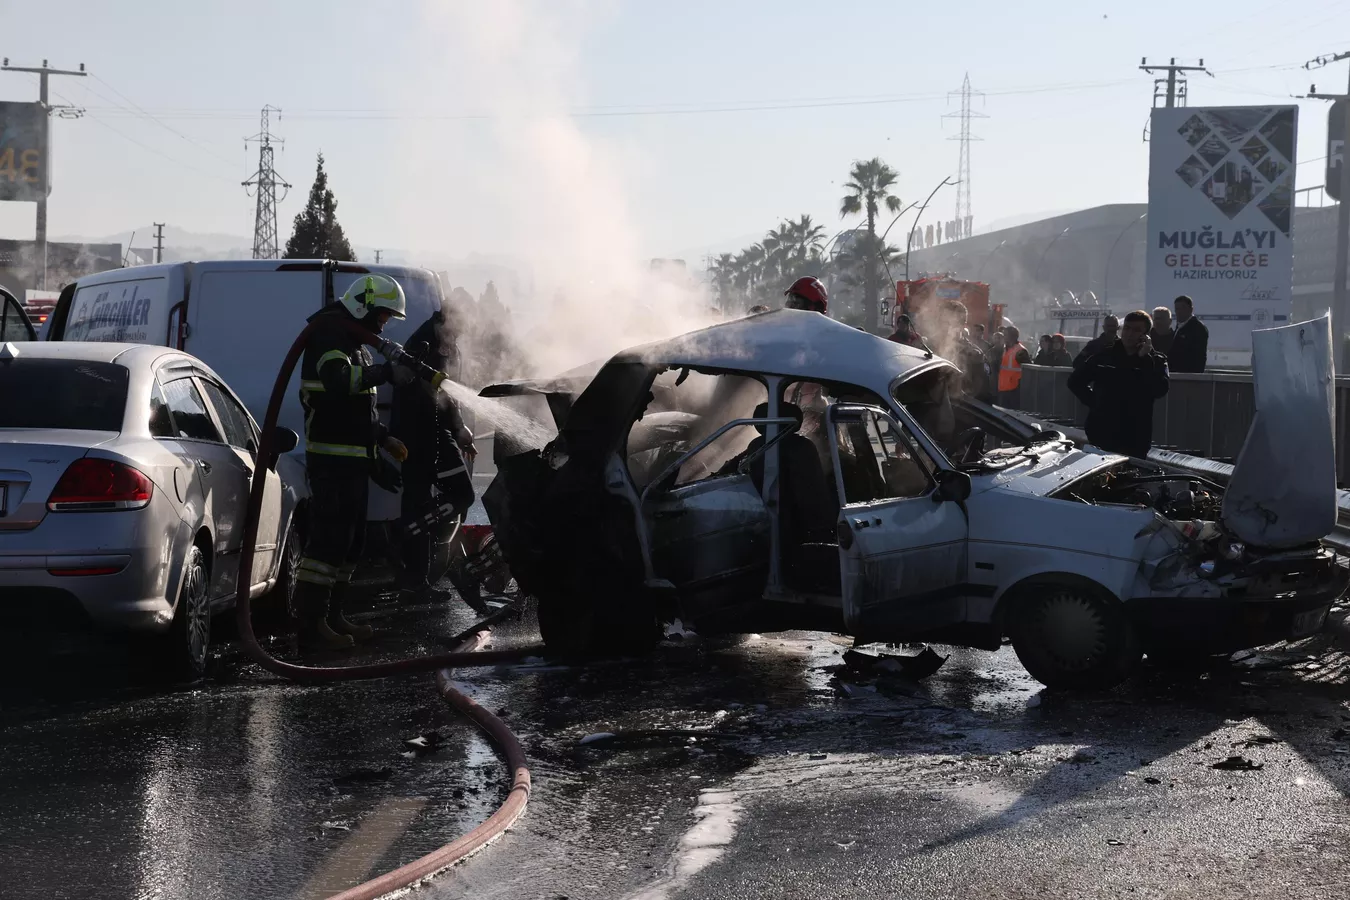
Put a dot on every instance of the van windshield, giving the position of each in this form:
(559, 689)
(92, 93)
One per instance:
(62, 393)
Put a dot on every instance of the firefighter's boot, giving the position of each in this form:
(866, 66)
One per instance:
(311, 610)
(338, 622)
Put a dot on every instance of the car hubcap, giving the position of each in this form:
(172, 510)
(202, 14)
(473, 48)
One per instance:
(1072, 630)
(292, 564)
(198, 614)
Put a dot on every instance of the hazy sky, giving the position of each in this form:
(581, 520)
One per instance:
(449, 127)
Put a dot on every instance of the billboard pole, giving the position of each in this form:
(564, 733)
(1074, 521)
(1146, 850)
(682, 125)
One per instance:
(1340, 290)
(41, 226)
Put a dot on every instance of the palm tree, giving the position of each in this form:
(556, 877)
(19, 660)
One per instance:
(869, 189)
(724, 277)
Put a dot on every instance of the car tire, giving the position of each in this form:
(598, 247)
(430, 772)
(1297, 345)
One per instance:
(1071, 635)
(276, 604)
(186, 646)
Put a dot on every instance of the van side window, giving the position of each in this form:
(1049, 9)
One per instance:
(161, 423)
(190, 418)
(238, 428)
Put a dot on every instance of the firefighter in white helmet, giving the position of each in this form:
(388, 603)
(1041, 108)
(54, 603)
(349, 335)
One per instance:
(343, 439)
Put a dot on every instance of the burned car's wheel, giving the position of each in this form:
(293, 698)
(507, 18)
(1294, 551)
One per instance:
(1073, 635)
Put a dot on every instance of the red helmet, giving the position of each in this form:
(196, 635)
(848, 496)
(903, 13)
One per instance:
(809, 294)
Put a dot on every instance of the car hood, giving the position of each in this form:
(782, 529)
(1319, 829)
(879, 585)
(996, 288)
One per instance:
(1283, 489)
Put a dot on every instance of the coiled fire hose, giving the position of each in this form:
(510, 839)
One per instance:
(465, 655)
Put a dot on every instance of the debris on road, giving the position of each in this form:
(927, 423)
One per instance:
(424, 743)
(1237, 764)
(919, 666)
(598, 736)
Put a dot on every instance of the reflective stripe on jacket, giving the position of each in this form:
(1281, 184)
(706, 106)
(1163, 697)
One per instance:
(1010, 372)
(338, 378)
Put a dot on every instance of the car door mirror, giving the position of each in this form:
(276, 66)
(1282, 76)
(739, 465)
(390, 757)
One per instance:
(285, 440)
(952, 486)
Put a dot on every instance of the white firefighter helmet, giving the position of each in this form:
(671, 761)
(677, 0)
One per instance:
(371, 292)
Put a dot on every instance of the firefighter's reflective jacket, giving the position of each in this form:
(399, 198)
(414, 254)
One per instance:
(338, 378)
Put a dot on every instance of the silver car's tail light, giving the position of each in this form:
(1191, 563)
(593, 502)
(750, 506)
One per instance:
(95, 485)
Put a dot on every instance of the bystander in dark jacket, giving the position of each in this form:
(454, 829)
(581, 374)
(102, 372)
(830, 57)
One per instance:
(1190, 340)
(1110, 334)
(1059, 352)
(1119, 386)
(1162, 333)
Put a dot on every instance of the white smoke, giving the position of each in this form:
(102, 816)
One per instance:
(562, 190)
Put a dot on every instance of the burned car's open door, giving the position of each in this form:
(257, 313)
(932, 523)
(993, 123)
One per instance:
(902, 528)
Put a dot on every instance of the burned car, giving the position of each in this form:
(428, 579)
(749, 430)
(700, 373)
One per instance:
(788, 471)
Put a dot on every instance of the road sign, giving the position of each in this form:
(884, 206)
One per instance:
(1335, 148)
(24, 159)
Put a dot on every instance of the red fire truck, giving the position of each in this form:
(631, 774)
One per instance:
(914, 297)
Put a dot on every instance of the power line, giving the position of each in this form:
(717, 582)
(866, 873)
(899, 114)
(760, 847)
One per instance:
(634, 111)
(102, 123)
(141, 111)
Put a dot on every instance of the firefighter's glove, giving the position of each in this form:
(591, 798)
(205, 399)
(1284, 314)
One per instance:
(386, 475)
(399, 375)
(464, 438)
(395, 448)
(391, 350)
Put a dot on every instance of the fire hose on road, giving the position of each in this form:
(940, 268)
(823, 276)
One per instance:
(466, 654)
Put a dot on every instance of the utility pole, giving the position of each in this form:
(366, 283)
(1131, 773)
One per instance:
(159, 242)
(378, 255)
(40, 231)
(1174, 83)
(266, 181)
(1341, 291)
(964, 220)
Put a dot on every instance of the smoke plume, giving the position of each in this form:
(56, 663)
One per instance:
(562, 190)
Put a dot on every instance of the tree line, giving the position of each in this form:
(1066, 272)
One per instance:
(854, 264)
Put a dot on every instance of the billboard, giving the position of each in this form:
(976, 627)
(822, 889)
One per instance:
(1220, 219)
(25, 162)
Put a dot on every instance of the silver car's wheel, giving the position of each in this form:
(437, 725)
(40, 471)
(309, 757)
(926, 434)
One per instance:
(189, 639)
(1069, 635)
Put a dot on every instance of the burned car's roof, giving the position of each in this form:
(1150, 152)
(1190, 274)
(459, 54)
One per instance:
(792, 343)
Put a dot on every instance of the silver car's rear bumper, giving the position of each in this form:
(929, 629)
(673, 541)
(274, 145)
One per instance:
(40, 590)
(35, 595)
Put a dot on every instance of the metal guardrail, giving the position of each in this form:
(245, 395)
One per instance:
(1205, 415)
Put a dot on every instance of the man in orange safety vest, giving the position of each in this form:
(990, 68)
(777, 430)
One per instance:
(1010, 369)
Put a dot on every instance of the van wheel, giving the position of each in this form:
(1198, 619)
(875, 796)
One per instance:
(1074, 636)
(187, 644)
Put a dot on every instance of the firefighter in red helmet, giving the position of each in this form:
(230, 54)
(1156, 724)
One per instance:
(809, 294)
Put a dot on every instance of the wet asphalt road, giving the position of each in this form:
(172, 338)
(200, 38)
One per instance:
(799, 779)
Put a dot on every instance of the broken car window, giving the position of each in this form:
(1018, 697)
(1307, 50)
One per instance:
(680, 415)
(880, 460)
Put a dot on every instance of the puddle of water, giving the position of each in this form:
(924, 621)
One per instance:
(718, 813)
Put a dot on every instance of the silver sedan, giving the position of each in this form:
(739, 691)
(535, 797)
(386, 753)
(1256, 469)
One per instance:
(124, 481)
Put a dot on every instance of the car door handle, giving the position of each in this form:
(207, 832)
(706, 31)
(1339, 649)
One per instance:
(204, 465)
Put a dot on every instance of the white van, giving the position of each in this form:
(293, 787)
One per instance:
(240, 317)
